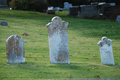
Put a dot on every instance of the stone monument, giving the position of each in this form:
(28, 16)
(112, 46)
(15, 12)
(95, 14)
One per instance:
(15, 49)
(106, 51)
(58, 40)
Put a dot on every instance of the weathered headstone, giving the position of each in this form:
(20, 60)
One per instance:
(3, 4)
(67, 5)
(15, 49)
(106, 51)
(4, 23)
(58, 40)
(88, 11)
(118, 19)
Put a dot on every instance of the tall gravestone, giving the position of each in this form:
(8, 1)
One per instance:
(106, 51)
(58, 40)
(15, 49)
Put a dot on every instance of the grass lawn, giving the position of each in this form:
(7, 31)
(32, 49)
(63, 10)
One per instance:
(83, 36)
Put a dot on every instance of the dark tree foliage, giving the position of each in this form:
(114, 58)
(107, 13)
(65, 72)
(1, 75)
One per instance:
(60, 3)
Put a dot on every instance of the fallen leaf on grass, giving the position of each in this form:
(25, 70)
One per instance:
(35, 59)
(40, 71)
(106, 32)
(88, 70)
(47, 57)
(97, 76)
(97, 68)
(94, 55)
(69, 75)
(118, 48)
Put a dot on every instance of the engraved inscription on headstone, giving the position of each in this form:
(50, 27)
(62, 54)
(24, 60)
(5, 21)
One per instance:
(106, 51)
(58, 40)
(15, 49)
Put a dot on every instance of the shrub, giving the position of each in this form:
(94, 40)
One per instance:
(38, 5)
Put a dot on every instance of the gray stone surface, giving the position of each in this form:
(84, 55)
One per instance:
(88, 11)
(3, 4)
(73, 11)
(67, 5)
(4, 23)
(58, 40)
(106, 51)
(15, 49)
(118, 19)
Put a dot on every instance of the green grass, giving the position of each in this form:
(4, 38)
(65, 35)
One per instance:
(83, 36)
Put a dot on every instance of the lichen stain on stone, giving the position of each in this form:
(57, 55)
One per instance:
(62, 57)
(9, 46)
(101, 44)
(13, 44)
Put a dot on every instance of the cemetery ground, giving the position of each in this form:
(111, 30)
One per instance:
(84, 53)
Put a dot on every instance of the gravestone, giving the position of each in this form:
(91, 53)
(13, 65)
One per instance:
(4, 23)
(3, 4)
(106, 51)
(50, 10)
(73, 10)
(88, 11)
(118, 19)
(15, 49)
(58, 40)
(115, 11)
(102, 5)
(66, 6)
(56, 8)
(106, 11)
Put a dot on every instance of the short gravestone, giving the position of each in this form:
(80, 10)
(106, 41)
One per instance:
(4, 23)
(118, 19)
(88, 11)
(50, 10)
(106, 51)
(73, 10)
(3, 4)
(58, 40)
(66, 6)
(15, 49)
